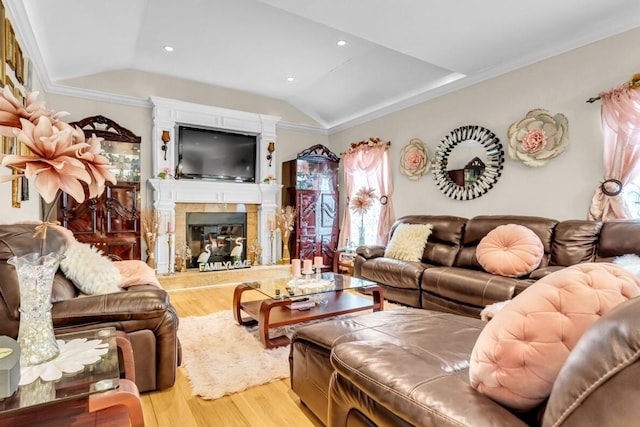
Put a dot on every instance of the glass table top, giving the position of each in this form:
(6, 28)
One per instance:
(98, 377)
(291, 287)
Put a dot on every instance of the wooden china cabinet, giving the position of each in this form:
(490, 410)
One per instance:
(111, 221)
(311, 186)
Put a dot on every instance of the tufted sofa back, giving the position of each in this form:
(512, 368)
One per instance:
(479, 226)
(618, 238)
(444, 242)
(454, 239)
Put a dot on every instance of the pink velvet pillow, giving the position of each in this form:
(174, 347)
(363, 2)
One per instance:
(136, 272)
(519, 353)
(510, 250)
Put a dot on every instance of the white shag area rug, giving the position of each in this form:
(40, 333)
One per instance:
(220, 357)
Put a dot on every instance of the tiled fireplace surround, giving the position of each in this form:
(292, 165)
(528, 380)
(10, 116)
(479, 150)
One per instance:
(174, 198)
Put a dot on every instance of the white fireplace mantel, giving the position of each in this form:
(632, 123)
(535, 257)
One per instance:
(167, 115)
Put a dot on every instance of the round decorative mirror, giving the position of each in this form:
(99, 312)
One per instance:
(468, 162)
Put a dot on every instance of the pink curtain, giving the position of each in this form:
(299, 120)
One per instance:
(373, 161)
(621, 130)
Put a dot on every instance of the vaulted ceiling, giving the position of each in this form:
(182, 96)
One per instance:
(396, 53)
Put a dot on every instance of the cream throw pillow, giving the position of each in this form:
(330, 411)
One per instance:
(408, 242)
(91, 271)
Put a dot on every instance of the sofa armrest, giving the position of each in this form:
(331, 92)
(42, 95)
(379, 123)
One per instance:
(143, 312)
(371, 251)
(426, 394)
(126, 306)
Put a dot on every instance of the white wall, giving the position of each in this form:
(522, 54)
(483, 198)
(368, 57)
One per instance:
(563, 188)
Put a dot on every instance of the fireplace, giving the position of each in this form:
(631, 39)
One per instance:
(174, 198)
(216, 238)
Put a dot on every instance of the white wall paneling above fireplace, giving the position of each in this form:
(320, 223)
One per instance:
(167, 114)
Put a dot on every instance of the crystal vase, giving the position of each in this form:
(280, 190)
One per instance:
(35, 335)
(361, 232)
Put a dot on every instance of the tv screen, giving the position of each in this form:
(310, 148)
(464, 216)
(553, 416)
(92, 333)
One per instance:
(216, 155)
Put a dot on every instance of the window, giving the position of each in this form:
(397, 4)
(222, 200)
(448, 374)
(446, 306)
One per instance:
(366, 165)
(367, 222)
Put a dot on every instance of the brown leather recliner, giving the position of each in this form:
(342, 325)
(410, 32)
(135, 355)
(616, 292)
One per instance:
(144, 312)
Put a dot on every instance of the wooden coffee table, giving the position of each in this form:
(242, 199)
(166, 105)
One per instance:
(275, 311)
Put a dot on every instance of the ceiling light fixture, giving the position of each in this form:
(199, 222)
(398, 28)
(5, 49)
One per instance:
(168, 48)
(341, 42)
(290, 79)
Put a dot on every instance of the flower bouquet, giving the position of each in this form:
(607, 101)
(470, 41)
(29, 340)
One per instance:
(286, 219)
(59, 160)
(360, 204)
(150, 220)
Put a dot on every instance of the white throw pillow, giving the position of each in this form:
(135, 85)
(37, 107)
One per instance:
(91, 271)
(408, 242)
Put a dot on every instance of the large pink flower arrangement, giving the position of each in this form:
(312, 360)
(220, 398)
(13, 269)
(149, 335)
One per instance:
(363, 200)
(61, 159)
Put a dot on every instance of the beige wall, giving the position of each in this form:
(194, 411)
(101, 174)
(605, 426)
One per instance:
(563, 188)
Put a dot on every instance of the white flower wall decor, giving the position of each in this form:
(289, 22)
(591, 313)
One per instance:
(414, 159)
(538, 137)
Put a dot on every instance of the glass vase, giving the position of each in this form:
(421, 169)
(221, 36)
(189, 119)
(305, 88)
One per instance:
(35, 334)
(361, 232)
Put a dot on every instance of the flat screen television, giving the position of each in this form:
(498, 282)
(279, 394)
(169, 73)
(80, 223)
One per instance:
(216, 155)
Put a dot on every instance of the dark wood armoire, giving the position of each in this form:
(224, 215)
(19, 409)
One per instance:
(110, 222)
(310, 184)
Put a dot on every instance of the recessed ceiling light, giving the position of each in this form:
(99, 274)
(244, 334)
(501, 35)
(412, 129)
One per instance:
(168, 48)
(341, 42)
(290, 79)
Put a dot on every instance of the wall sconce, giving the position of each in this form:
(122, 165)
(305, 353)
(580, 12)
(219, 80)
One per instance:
(166, 137)
(270, 148)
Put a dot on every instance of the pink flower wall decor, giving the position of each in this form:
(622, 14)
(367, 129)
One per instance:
(414, 161)
(538, 137)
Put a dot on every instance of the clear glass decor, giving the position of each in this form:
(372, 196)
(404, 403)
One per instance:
(35, 335)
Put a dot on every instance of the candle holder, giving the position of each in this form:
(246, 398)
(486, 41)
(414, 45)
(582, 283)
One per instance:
(171, 268)
(318, 272)
(272, 247)
(307, 275)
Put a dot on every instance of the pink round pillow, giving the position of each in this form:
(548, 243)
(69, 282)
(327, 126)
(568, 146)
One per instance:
(519, 353)
(510, 250)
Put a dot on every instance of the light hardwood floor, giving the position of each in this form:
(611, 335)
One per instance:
(273, 404)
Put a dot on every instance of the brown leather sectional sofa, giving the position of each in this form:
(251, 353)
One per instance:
(144, 312)
(409, 367)
(449, 277)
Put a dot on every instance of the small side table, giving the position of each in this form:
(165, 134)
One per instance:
(92, 397)
(343, 261)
